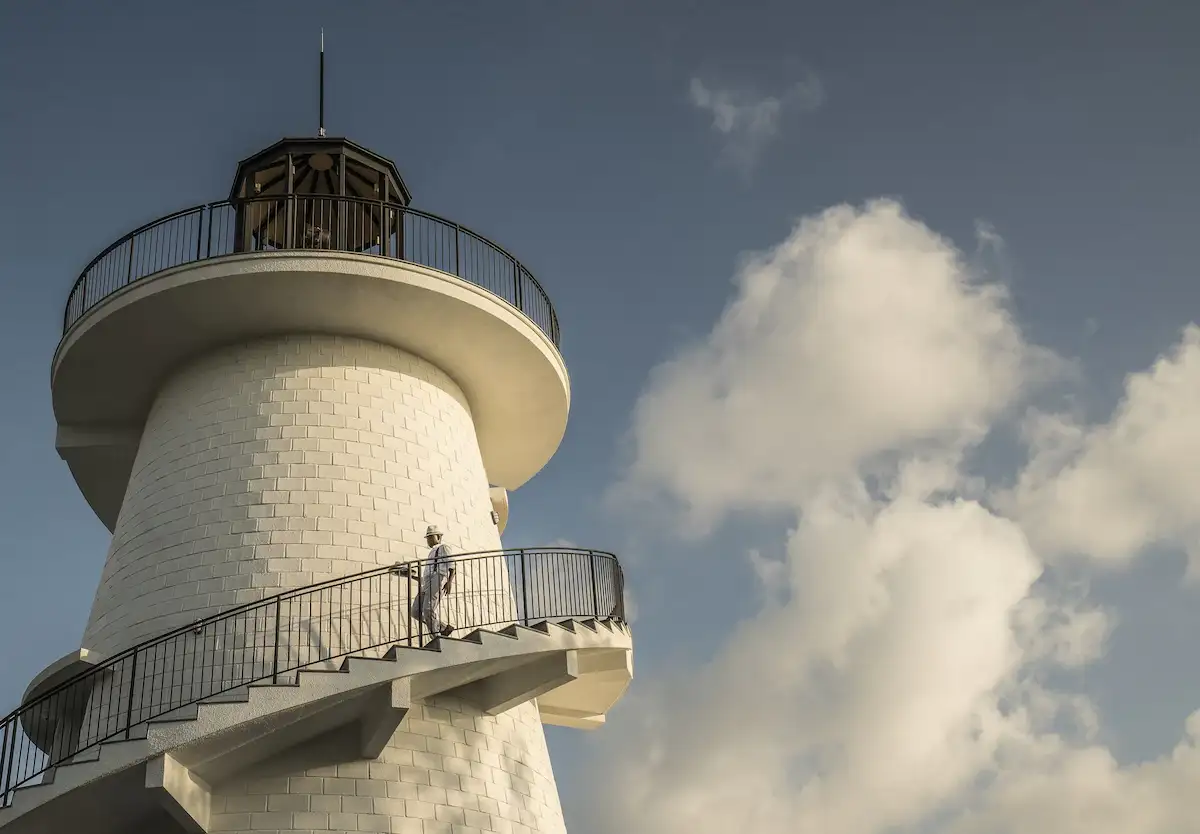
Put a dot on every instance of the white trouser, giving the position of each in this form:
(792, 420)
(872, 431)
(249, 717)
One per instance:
(428, 604)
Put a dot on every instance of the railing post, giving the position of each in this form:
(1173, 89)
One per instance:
(524, 588)
(10, 776)
(275, 662)
(517, 285)
(289, 222)
(595, 589)
(400, 213)
(199, 230)
(383, 227)
(457, 258)
(342, 244)
(212, 216)
(129, 707)
(408, 606)
(5, 762)
(422, 604)
(129, 274)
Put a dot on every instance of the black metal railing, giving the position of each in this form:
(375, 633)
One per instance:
(314, 627)
(342, 224)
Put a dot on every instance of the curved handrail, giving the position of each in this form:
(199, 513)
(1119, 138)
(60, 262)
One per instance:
(292, 630)
(284, 223)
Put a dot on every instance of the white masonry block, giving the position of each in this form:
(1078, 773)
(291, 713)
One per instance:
(279, 464)
(272, 466)
(275, 465)
(450, 767)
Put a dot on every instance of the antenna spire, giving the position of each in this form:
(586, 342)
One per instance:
(321, 82)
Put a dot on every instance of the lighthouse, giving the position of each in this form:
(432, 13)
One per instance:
(269, 400)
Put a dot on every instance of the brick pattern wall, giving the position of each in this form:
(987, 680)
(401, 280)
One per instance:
(278, 464)
(449, 769)
(274, 465)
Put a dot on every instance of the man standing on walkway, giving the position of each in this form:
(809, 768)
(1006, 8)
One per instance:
(436, 577)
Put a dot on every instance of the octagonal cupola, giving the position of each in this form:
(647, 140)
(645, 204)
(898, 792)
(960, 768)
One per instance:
(319, 167)
(316, 193)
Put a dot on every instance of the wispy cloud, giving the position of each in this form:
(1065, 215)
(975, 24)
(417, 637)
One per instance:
(748, 121)
(987, 238)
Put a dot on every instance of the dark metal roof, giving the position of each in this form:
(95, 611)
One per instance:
(367, 174)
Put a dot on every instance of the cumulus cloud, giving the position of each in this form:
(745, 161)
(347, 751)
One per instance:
(862, 348)
(894, 677)
(1110, 491)
(748, 121)
(1083, 790)
(1066, 631)
(876, 679)
(862, 335)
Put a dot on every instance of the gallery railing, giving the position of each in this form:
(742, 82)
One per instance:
(313, 627)
(341, 224)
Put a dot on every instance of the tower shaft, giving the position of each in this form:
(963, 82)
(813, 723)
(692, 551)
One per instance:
(282, 463)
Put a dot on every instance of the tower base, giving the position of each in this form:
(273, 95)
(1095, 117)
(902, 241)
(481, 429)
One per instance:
(450, 768)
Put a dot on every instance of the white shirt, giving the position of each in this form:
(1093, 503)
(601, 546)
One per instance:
(438, 560)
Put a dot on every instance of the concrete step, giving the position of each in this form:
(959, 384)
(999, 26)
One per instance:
(362, 672)
(234, 696)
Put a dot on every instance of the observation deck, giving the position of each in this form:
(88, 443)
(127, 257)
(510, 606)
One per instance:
(316, 237)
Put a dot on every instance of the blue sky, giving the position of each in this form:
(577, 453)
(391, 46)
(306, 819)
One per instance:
(630, 155)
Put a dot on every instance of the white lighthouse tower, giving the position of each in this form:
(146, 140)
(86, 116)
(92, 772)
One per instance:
(268, 400)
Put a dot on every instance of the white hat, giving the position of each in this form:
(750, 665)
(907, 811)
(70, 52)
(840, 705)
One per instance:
(432, 530)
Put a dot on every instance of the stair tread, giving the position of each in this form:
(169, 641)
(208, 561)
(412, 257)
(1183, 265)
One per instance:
(242, 694)
(236, 696)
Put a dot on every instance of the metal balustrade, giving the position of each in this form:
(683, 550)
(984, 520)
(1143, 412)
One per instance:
(297, 222)
(314, 627)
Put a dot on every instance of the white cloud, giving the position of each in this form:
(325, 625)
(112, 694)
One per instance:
(1068, 632)
(879, 671)
(747, 121)
(861, 335)
(1110, 491)
(894, 678)
(1056, 788)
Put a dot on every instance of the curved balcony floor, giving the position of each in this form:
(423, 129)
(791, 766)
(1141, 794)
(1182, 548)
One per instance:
(112, 361)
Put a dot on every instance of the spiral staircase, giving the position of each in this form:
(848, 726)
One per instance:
(106, 731)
